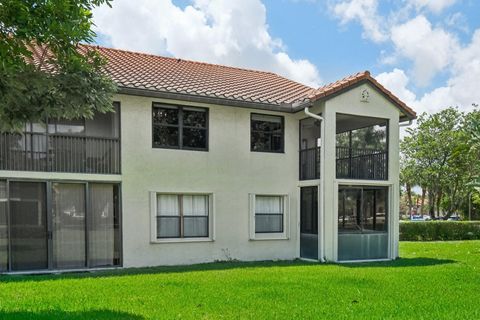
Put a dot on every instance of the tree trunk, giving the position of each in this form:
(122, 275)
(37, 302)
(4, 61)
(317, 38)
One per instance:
(409, 198)
(422, 201)
(431, 203)
(438, 200)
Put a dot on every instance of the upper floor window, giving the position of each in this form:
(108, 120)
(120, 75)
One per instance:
(267, 133)
(179, 127)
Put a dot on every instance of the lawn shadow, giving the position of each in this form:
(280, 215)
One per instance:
(212, 266)
(73, 315)
(219, 266)
(401, 263)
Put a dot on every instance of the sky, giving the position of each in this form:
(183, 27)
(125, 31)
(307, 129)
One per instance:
(427, 52)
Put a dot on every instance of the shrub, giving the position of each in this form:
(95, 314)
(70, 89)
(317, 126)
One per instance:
(439, 230)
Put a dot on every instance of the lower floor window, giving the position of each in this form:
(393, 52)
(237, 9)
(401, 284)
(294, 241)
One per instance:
(182, 216)
(269, 214)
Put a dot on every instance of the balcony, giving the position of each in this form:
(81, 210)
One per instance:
(364, 164)
(59, 153)
(360, 152)
(75, 146)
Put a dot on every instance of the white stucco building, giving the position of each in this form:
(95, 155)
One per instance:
(201, 163)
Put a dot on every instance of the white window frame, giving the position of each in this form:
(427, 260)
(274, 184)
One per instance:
(285, 235)
(153, 218)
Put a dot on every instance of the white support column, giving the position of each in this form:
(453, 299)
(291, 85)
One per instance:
(393, 177)
(330, 224)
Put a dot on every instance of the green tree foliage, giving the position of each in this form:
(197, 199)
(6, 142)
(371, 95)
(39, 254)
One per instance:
(473, 129)
(440, 156)
(64, 81)
(372, 137)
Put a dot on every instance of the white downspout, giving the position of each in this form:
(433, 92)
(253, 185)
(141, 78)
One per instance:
(322, 196)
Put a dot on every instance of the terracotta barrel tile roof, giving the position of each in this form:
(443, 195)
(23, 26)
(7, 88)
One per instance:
(349, 81)
(140, 70)
(133, 70)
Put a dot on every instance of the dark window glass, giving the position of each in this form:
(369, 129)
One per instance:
(266, 133)
(194, 138)
(28, 226)
(165, 115)
(3, 227)
(309, 210)
(180, 127)
(362, 210)
(165, 136)
(195, 118)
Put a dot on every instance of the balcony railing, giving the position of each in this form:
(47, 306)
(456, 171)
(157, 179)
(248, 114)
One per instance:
(351, 163)
(59, 153)
(365, 164)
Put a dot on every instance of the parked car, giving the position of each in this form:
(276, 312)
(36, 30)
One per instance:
(416, 217)
(454, 218)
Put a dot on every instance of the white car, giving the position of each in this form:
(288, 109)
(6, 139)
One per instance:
(416, 217)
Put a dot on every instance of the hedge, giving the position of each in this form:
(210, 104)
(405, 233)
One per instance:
(439, 230)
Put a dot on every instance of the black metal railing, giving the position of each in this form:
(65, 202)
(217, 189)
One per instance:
(351, 163)
(310, 164)
(59, 153)
(365, 164)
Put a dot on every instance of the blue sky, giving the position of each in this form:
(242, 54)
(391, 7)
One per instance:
(425, 51)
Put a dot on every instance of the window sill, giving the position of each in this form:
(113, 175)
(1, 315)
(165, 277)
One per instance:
(269, 236)
(181, 240)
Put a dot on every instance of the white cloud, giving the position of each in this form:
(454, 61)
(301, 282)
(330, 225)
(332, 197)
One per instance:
(397, 81)
(430, 49)
(461, 90)
(364, 12)
(435, 6)
(225, 32)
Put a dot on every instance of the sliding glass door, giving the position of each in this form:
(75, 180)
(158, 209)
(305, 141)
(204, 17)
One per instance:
(104, 230)
(28, 226)
(3, 227)
(56, 225)
(309, 222)
(68, 222)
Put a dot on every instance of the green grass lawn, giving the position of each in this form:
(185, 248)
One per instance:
(436, 280)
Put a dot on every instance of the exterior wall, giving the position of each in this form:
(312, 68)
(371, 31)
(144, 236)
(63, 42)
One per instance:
(379, 107)
(229, 170)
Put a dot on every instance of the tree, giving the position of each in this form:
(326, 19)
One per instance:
(440, 155)
(44, 71)
(473, 131)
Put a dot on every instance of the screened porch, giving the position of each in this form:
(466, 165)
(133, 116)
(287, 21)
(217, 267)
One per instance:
(78, 146)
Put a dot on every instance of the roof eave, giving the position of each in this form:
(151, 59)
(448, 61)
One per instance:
(204, 99)
(406, 114)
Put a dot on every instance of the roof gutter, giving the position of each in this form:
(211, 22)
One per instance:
(204, 99)
(408, 124)
(321, 218)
